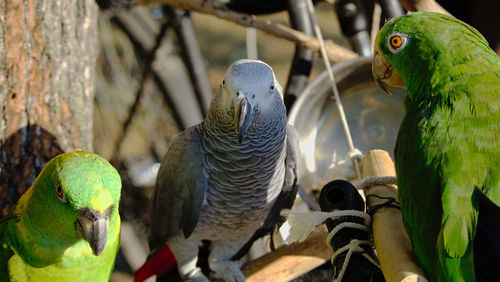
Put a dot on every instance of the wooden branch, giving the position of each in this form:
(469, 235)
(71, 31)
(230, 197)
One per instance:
(335, 52)
(392, 243)
(290, 261)
(423, 5)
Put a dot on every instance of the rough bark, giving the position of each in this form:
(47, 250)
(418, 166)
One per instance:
(48, 50)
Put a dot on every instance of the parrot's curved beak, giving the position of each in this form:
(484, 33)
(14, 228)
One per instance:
(93, 228)
(384, 74)
(243, 116)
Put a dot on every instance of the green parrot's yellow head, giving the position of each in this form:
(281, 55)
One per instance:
(383, 72)
(419, 51)
(75, 197)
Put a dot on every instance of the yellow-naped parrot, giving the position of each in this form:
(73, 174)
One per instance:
(447, 152)
(66, 227)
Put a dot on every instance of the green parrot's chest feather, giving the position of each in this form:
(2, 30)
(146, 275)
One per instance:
(77, 263)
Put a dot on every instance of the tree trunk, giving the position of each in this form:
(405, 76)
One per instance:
(48, 51)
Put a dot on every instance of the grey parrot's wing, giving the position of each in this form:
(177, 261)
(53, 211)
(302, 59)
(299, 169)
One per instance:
(287, 195)
(292, 161)
(180, 188)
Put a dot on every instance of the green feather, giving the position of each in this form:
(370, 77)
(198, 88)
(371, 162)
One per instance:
(448, 141)
(40, 241)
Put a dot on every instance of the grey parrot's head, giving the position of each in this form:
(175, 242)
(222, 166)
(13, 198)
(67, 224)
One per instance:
(248, 94)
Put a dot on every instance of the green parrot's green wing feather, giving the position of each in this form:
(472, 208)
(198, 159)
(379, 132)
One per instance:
(472, 153)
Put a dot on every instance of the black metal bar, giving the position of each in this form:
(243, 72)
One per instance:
(191, 55)
(391, 9)
(164, 91)
(303, 57)
(146, 72)
(355, 24)
(257, 7)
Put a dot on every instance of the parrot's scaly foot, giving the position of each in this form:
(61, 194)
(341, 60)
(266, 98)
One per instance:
(229, 271)
(197, 276)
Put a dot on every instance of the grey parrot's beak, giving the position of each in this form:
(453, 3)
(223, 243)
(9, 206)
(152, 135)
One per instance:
(93, 228)
(384, 74)
(243, 116)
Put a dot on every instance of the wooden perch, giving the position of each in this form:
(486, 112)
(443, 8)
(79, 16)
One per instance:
(392, 242)
(290, 261)
(335, 52)
(423, 5)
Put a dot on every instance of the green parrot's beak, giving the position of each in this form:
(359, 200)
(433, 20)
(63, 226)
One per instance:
(384, 74)
(93, 228)
(243, 115)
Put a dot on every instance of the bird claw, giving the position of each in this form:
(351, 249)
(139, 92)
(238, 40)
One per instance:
(198, 276)
(229, 271)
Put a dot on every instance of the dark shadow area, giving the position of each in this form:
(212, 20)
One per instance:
(23, 155)
(480, 15)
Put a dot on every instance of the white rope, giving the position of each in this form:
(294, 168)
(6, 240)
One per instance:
(352, 247)
(340, 108)
(375, 181)
(344, 168)
(251, 43)
(301, 224)
(340, 226)
(377, 12)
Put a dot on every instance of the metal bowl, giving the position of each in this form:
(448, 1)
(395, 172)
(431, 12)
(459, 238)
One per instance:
(373, 117)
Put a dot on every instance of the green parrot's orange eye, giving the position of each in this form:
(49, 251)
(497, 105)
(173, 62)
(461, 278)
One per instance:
(397, 42)
(60, 193)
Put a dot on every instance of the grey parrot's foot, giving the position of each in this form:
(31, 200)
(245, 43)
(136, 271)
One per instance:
(196, 276)
(229, 271)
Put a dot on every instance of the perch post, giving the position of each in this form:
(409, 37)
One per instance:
(392, 243)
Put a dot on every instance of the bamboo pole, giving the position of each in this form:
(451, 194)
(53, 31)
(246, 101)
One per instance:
(336, 53)
(392, 242)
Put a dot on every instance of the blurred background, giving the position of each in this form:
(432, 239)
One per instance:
(135, 114)
(146, 92)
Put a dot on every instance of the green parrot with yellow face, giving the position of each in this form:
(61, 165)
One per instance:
(66, 227)
(448, 150)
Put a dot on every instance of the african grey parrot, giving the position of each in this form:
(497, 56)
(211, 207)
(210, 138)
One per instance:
(221, 178)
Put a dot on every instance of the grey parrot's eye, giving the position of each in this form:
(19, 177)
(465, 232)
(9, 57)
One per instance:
(60, 194)
(223, 82)
(396, 42)
(272, 88)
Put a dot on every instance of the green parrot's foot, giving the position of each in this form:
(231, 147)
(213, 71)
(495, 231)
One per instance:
(197, 276)
(229, 271)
